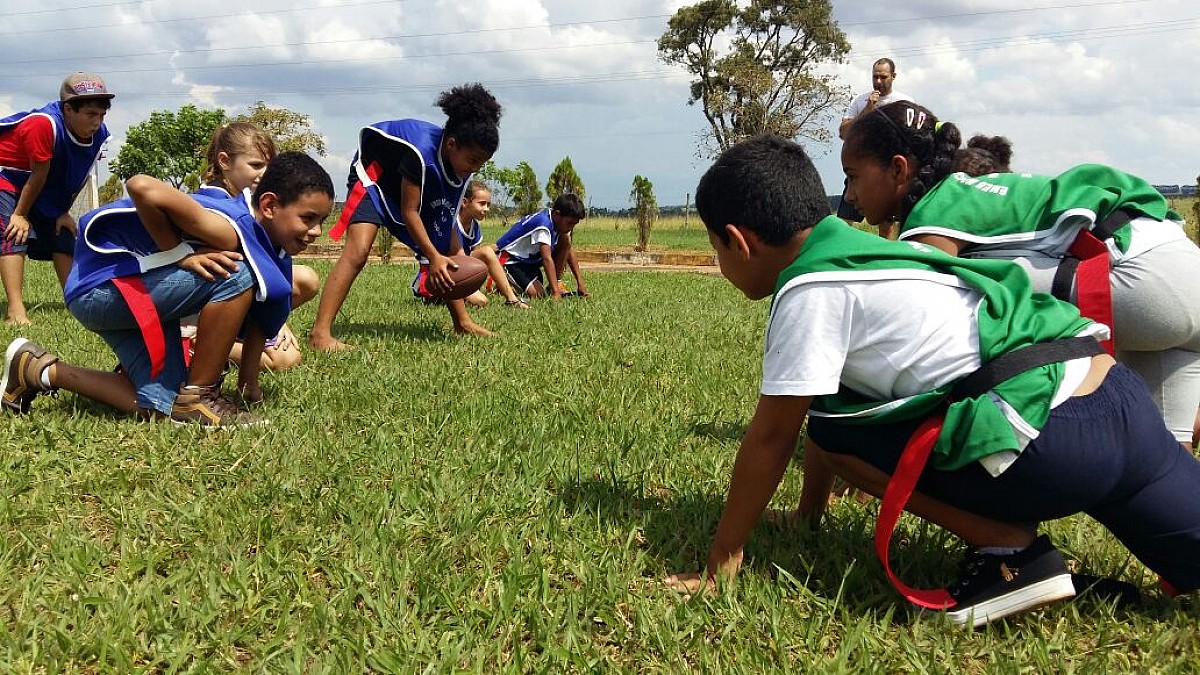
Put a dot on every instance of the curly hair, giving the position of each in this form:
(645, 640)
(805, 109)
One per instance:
(984, 155)
(474, 116)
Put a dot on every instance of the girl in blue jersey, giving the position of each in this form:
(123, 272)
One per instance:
(145, 262)
(1135, 265)
(237, 157)
(409, 176)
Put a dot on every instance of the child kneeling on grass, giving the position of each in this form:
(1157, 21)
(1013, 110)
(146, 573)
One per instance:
(143, 263)
(873, 341)
(540, 241)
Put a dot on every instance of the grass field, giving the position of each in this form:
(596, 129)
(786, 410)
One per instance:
(433, 504)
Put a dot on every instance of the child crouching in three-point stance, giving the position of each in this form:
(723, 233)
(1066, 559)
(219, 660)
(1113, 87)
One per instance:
(143, 263)
(872, 340)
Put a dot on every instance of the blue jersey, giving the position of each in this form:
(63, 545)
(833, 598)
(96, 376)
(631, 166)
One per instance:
(113, 243)
(386, 146)
(471, 237)
(69, 166)
(523, 240)
(214, 191)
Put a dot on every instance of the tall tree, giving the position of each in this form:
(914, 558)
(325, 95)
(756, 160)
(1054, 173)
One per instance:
(563, 180)
(526, 194)
(502, 181)
(755, 67)
(291, 130)
(169, 145)
(645, 209)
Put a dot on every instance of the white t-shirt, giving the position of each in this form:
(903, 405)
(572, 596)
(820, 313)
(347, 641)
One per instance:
(860, 103)
(885, 339)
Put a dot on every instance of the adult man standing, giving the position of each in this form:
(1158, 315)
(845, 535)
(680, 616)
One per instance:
(883, 75)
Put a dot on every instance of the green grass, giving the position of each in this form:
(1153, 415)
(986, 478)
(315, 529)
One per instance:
(506, 505)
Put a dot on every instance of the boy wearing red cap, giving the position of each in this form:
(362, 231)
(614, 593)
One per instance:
(46, 155)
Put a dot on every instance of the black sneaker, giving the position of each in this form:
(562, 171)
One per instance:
(991, 587)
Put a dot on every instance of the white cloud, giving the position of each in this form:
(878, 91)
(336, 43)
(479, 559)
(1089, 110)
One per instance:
(1110, 82)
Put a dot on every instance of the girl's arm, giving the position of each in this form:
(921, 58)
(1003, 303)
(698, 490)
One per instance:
(410, 208)
(165, 212)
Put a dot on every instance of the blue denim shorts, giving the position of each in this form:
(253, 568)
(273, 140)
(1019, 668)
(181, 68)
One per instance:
(175, 293)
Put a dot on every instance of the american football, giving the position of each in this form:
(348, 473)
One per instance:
(469, 276)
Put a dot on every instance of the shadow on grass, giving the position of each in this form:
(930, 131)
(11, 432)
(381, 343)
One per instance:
(718, 430)
(677, 528)
(425, 332)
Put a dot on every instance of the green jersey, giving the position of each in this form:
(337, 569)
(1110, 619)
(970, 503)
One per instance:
(1005, 215)
(1009, 316)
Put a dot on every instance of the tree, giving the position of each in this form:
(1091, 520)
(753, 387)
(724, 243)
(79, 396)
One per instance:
(645, 208)
(291, 130)
(169, 145)
(563, 180)
(526, 194)
(112, 190)
(755, 68)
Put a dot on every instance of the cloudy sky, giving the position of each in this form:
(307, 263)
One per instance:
(1067, 80)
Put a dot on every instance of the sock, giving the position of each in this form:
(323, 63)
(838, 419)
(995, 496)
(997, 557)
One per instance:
(45, 378)
(998, 550)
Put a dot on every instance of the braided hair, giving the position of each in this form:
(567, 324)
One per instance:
(474, 116)
(913, 131)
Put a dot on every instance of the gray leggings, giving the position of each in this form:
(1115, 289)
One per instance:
(1156, 309)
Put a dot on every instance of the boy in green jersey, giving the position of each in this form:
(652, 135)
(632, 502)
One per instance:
(870, 339)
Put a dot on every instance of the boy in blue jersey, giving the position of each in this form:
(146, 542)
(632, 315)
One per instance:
(143, 263)
(540, 241)
(882, 346)
(46, 155)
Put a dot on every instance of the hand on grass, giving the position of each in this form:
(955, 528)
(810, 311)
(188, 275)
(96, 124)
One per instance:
(18, 229)
(209, 263)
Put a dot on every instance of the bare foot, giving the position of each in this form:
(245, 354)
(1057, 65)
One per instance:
(328, 344)
(473, 329)
(18, 321)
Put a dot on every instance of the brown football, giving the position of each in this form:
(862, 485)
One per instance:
(469, 276)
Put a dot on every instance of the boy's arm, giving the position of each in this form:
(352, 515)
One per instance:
(163, 208)
(766, 449)
(251, 363)
(410, 206)
(573, 263)
(18, 224)
(551, 272)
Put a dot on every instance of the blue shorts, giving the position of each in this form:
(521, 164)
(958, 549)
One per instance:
(176, 293)
(1108, 454)
(43, 241)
